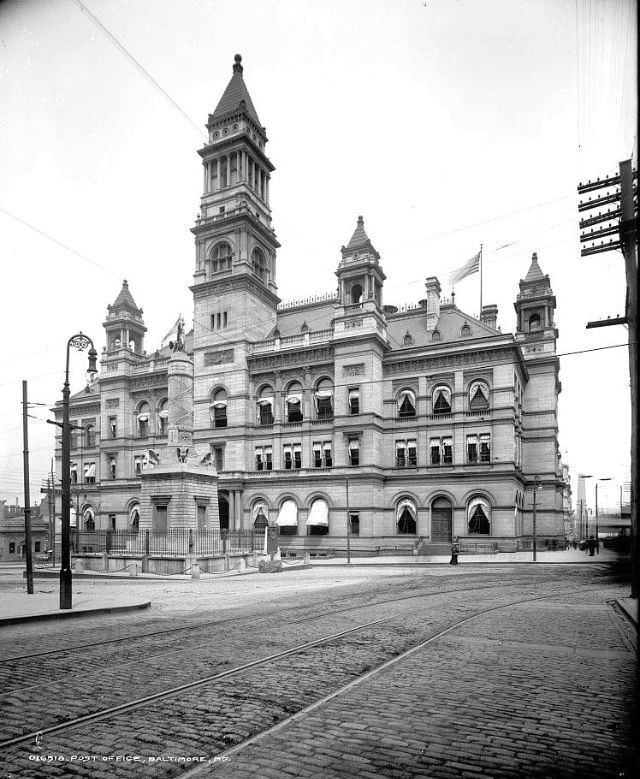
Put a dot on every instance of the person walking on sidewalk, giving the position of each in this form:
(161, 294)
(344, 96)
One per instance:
(591, 546)
(455, 551)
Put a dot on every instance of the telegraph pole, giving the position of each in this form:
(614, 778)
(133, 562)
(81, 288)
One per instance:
(27, 497)
(618, 226)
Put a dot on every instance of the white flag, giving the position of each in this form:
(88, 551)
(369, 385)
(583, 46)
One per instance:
(471, 266)
(170, 336)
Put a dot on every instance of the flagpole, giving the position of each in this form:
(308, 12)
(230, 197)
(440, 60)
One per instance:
(480, 317)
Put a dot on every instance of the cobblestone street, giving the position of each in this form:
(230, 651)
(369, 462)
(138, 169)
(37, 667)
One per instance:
(501, 671)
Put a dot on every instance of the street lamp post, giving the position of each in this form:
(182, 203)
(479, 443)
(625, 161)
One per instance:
(607, 478)
(536, 484)
(79, 342)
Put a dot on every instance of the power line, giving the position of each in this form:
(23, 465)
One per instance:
(112, 38)
(59, 243)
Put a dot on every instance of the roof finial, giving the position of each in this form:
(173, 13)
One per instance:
(125, 283)
(237, 67)
(360, 221)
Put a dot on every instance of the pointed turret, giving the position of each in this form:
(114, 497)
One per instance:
(235, 98)
(124, 325)
(359, 244)
(535, 302)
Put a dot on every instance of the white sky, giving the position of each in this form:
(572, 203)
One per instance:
(455, 117)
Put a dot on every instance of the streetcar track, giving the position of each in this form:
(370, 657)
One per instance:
(168, 693)
(215, 623)
(295, 717)
(194, 647)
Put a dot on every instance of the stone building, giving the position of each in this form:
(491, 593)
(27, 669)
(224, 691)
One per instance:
(12, 534)
(328, 415)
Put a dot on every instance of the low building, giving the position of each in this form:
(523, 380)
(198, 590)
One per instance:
(12, 533)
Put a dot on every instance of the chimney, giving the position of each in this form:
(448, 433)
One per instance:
(433, 302)
(489, 315)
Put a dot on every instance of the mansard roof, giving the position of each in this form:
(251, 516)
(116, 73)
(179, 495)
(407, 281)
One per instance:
(235, 97)
(449, 326)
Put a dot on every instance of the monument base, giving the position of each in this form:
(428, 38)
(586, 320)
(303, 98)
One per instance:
(179, 495)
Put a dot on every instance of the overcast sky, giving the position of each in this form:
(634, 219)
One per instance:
(446, 124)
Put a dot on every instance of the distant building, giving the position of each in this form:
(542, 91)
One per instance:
(12, 538)
(437, 420)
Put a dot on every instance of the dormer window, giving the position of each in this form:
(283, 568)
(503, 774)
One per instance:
(442, 400)
(436, 336)
(465, 330)
(407, 403)
(408, 339)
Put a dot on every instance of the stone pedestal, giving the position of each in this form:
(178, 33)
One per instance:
(171, 494)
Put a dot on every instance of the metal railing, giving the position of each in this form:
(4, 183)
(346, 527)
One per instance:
(175, 542)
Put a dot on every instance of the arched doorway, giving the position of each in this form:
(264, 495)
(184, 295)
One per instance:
(406, 518)
(223, 512)
(441, 521)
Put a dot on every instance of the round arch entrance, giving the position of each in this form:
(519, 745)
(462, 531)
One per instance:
(441, 521)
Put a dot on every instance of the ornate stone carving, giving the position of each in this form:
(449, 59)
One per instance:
(285, 359)
(112, 402)
(218, 358)
(428, 364)
(353, 370)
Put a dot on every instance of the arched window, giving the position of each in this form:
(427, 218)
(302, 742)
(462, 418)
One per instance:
(88, 519)
(143, 420)
(479, 516)
(265, 406)
(288, 518)
(406, 403)
(163, 416)
(407, 339)
(218, 408)
(293, 402)
(324, 399)
(534, 323)
(260, 515)
(259, 264)
(441, 398)
(478, 396)
(134, 518)
(90, 435)
(356, 294)
(465, 330)
(221, 257)
(406, 517)
(318, 518)
(435, 336)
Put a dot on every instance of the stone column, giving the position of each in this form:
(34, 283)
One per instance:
(232, 509)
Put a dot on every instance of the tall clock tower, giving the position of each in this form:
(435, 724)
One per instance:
(234, 289)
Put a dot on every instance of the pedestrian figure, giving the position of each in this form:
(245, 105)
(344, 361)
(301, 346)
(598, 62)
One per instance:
(455, 551)
(591, 546)
(574, 544)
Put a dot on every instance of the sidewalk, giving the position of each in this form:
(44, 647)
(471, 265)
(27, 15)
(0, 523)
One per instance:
(561, 556)
(17, 607)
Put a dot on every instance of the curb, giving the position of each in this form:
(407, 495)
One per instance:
(632, 617)
(72, 614)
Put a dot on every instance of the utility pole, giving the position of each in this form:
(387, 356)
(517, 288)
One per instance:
(618, 226)
(52, 516)
(27, 497)
(348, 525)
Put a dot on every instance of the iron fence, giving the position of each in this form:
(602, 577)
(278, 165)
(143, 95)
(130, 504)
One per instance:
(176, 542)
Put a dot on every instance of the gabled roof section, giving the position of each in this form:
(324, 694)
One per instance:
(534, 273)
(448, 330)
(125, 299)
(236, 97)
